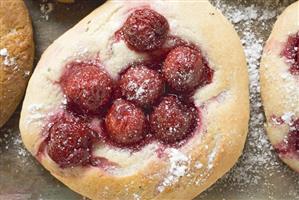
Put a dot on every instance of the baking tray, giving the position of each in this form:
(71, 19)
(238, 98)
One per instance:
(259, 174)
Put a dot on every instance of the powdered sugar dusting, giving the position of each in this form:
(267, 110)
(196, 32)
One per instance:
(198, 165)
(141, 85)
(3, 52)
(136, 197)
(258, 168)
(179, 164)
(139, 91)
(35, 114)
(288, 117)
(9, 140)
(8, 60)
(211, 157)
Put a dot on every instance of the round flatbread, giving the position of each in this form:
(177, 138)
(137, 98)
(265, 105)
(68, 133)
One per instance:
(16, 55)
(280, 85)
(95, 139)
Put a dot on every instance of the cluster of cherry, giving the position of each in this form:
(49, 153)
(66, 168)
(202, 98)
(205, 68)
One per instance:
(145, 102)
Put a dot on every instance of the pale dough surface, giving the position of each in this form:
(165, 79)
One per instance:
(184, 172)
(279, 88)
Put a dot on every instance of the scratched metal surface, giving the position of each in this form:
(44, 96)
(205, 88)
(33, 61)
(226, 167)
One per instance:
(258, 175)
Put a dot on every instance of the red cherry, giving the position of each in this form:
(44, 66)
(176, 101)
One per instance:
(145, 30)
(291, 52)
(295, 124)
(183, 68)
(293, 137)
(125, 123)
(290, 145)
(171, 120)
(87, 87)
(295, 69)
(70, 141)
(141, 85)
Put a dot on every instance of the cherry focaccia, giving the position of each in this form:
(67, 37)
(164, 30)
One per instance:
(140, 100)
(280, 86)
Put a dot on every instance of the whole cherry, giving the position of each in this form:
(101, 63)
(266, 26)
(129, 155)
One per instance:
(70, 140)
(141, 85)
(171, 120)
(145, 30)
(125, 123)
(86, 86)
(183, 69)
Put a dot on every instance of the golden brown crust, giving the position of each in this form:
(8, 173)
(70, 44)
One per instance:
(184, 172)
(66, 1)
(16, 59)
(279, 88)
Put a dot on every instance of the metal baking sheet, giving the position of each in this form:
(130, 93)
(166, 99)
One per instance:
(259, 174)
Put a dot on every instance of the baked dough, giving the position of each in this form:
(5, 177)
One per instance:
(66, 1)
(16, 55)
(183, 172)
(280, 87)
